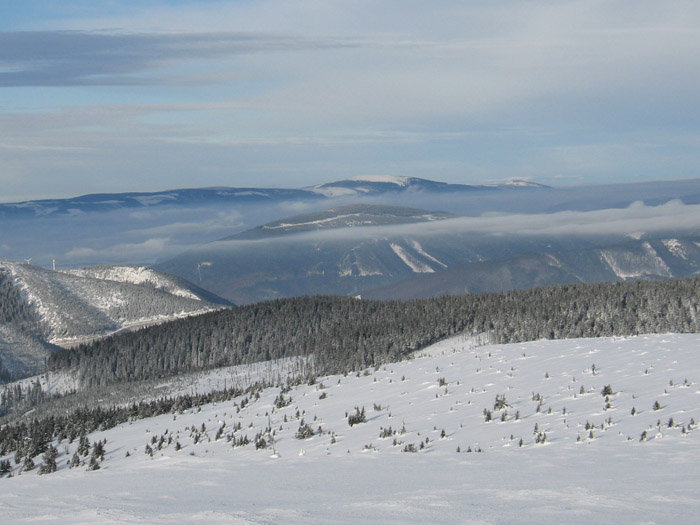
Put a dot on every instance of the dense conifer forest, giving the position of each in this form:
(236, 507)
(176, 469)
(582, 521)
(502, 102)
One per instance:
(14, 310)
(341, 334)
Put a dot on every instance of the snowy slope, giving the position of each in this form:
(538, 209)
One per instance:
(583, 458)
(144, 276)
(77, 307)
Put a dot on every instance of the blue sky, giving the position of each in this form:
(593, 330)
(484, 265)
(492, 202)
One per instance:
(149, 95)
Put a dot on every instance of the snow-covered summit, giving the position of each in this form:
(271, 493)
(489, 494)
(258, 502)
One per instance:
(519, 183)
(386, 179)
(375, 184)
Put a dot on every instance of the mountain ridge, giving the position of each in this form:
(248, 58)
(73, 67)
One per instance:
(368, 185)
(44, 309)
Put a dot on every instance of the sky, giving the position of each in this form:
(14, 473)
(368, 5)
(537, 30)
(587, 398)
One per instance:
(149, 95)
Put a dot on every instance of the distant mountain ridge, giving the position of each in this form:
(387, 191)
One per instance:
(389, 252)
(374, 184)
(343, 250)
(44, 308)
(349, 216)
(625, 261)
(366, 185)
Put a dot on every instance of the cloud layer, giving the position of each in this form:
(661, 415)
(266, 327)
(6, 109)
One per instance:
(146, 96)
(673, 218)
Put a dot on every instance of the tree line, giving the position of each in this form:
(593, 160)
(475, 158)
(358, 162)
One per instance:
(342, 334)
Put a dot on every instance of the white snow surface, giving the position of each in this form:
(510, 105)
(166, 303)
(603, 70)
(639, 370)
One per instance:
(631, 266)
(416, 246)
(603, 474)
(150, 200)
(135, 275)
(334, 191)
(410, 260)
(347, 217)
(675, 247)
(385, 179)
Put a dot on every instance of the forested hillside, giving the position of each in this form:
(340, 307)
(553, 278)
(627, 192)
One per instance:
(22, 349)
(343, 334)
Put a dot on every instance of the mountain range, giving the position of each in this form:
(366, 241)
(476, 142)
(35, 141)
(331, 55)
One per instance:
(389, 252)
(343, 250)
(357, 186)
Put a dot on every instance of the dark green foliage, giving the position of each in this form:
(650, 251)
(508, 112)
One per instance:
(49, 461)
(94, 464)
(261, 443)
(17, 397)
(358, 417)
(500, 402)
(607, 391)
(83, 446)
(386, 432)
(98, 450)
(5, 466)
(74, 460)
(33, 437)
(304, 431)
(28, 464)
(281, 402)
(344, 334)
(13, 309)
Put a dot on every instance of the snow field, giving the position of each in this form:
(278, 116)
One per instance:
(593, 465)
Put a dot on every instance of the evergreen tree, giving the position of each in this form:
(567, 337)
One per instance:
(84, 446)
(49, 461)
(94, 464)
(98, 450)
(28, 464)
(304, 431)
(74, 460)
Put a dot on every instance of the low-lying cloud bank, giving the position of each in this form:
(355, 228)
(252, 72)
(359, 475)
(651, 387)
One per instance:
(637, 219)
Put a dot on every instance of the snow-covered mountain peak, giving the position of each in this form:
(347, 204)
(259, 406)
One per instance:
(519, 183)
(385, 179)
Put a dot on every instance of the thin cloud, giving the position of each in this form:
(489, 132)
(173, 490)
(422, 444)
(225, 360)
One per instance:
(70, 58)
(633, 220)
(149, 249)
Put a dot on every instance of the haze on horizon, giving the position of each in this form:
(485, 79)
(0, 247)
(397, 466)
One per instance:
(145, 96)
